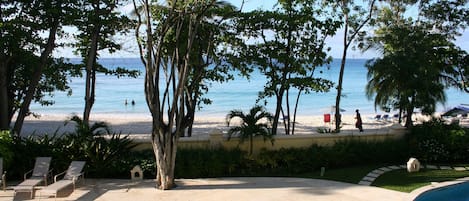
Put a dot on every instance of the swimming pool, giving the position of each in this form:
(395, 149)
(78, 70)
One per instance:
(456, 192)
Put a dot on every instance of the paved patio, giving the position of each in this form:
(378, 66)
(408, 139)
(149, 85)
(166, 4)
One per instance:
(219, 189)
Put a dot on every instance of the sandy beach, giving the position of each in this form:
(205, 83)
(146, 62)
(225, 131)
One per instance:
(141, 124)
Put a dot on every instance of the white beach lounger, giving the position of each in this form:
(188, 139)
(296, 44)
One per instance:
(72, 175)
(39, 174)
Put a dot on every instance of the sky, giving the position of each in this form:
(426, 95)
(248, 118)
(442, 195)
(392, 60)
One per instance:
(129, 48)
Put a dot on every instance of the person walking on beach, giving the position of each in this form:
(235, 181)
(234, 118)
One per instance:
(358, 124)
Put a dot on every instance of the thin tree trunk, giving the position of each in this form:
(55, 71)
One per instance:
(277, 111)
(4, 110)
(24, 109)
(409, 111)
(346, 43)
(287, 100)
(295, 110)
(90, 81)
(341, 77)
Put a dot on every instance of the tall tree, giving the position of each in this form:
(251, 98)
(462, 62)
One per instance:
(97, 22)
(165, 82)
(287, 45)
(209, 62)
(413, 71)
(22, 24)
(355, 18)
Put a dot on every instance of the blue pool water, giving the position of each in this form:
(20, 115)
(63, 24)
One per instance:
(457, 192)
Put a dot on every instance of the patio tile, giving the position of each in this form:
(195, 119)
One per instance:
(460, 168)
(378, 171)
(385, 169)
(433, 167)
(371, 174)
(394, 167)
(446, 168)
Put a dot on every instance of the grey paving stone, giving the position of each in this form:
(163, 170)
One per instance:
(394, 167)
(433, 167)
(365, 183)
(372, 174)
(446, 168)
(366, 178)
(385, 169)
(378, 171)
(460, 168)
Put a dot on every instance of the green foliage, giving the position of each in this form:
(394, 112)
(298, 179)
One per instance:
(287, 45)
(195, 163)
(97, 145)
(107, 154)
(401, 180)
(6, 149)
(256, 123)
(26, 149)
(419, 57)
(341, 154)
(437, 142)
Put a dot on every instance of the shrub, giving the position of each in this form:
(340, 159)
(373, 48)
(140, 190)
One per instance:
(105, 152)
(435, 141)
(6, 149)
(193, 163)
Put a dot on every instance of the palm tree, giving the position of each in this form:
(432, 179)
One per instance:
(411, 72)
(256, 123)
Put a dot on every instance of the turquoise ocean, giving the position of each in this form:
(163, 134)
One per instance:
(237, 94)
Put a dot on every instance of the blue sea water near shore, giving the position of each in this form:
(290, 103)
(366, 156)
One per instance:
(111, 93)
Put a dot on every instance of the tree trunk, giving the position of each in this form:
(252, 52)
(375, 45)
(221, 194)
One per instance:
(250, 144)
(409, 111)
(164, 148)
(4, 111)
(279, 97)
(90, 76)
(295, 110)
(408, 121)
(287, 103)
(341, 77)
(24, 109)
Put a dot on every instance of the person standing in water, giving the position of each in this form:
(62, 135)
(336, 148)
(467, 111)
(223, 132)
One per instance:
(359, 123)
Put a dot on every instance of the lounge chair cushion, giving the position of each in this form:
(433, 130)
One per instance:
(56, 187)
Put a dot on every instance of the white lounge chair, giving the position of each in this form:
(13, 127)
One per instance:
(71, 176)
(39, 174)
(3, 178)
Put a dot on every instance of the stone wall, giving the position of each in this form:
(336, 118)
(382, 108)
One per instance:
(217, 139)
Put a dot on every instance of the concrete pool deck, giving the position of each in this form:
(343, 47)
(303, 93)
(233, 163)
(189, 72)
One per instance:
(220, 189)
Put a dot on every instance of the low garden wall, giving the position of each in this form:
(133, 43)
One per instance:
(217, 139)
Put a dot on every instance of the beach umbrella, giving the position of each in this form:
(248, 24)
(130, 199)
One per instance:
(459, 110)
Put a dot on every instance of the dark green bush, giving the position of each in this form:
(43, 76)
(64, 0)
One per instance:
(194, 163)
(106, 153)
(342, 154)
(6, 148)
(109, 155)
(438, 142)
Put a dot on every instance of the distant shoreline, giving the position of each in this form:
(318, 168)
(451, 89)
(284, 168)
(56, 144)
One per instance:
(203, 125)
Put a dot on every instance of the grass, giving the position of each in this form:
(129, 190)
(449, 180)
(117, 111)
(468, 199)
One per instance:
(348, 174)
(398, 180)
(401, 180)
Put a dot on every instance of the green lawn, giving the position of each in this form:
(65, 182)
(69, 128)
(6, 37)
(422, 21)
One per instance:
(398, 180)
(401, 180)
(349, 174)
